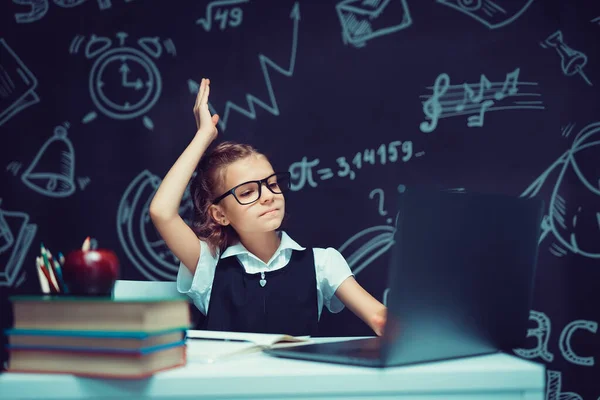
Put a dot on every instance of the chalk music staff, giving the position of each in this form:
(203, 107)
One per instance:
(477, 99)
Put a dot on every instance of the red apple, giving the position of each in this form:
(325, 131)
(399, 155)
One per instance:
(91, 272)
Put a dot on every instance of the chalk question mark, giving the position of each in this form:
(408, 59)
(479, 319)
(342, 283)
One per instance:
(381, 211)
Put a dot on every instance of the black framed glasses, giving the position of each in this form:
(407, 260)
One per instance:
(249, 192)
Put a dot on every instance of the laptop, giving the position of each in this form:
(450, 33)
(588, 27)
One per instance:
(460, 281)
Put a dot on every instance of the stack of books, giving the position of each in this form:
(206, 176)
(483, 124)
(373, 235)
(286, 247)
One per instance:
(97, 336)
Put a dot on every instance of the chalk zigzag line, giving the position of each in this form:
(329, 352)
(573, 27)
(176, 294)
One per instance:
(265, 62)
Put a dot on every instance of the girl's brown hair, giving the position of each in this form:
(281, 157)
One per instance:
(206, 186)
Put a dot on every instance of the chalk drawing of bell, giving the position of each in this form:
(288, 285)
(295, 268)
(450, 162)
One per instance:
(491, 13)
(363, 20)
(51, 172)
(573, 215)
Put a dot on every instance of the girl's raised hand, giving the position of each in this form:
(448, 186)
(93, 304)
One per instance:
(205, 123)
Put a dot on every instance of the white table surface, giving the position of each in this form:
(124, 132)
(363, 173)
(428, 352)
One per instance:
(260, 376)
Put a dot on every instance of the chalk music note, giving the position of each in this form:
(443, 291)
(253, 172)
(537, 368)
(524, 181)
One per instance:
(512, 78)
(470, 96)
(477, 120)
(432, 107)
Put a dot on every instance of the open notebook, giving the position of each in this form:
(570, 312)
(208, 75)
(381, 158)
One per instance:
(212, 346)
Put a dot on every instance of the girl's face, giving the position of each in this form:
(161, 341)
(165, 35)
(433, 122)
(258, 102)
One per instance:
(265, 214)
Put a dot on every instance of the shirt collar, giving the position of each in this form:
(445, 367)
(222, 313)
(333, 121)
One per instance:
(286, 243)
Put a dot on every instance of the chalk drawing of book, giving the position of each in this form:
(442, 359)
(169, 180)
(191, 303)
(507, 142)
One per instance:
(16, 236)
(363, 20)
(17, 84)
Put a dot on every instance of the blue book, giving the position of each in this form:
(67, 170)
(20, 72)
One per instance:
(94, 341)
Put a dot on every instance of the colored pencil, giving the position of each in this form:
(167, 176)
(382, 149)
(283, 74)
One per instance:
(57, 271)
(86, 244)
(50, 269)
(47, 279)
(64, 287)
(44, 287)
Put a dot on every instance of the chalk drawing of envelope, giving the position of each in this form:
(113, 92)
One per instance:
(16, 237)
(492, 13)
(363, 20)
(17, 84)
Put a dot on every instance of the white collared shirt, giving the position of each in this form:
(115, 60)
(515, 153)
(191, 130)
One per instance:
(330, 266)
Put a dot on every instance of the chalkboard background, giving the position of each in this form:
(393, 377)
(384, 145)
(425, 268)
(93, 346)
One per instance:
(355, 98)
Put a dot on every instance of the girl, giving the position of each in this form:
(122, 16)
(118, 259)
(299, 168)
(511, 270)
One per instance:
(240, 271)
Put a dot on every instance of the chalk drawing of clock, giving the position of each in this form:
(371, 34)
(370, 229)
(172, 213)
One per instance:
(124, 83)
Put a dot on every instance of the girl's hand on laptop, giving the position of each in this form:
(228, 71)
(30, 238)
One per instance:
(361, 303)
(379, 320)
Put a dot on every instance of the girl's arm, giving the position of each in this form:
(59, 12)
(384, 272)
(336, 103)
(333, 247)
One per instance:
(361, 303)
(164, 208)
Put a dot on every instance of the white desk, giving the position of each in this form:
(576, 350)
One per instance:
(259, 376)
